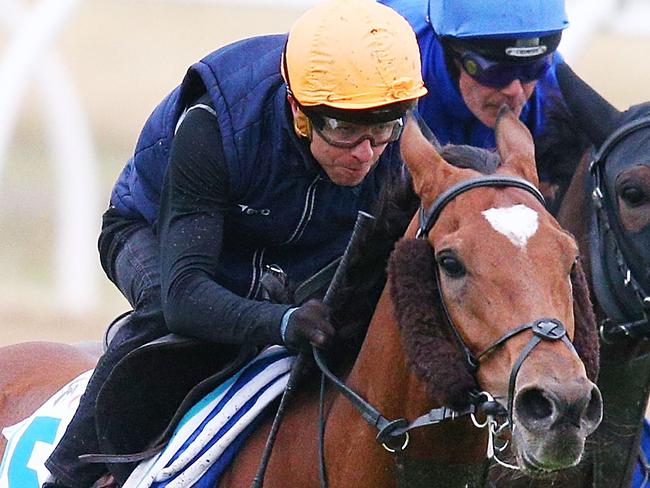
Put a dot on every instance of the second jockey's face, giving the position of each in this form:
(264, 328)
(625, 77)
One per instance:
(484, 102)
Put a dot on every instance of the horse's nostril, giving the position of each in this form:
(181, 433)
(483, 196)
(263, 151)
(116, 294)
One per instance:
(594, 410)
(533, 405)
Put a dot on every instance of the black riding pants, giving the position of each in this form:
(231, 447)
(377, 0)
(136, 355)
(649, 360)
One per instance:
(130, 257)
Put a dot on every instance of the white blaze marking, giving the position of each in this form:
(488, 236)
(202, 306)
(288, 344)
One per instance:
(518, 223)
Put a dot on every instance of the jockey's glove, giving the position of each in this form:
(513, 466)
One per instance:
(308, 325)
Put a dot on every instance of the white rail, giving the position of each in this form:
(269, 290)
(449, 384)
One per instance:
(29, 57)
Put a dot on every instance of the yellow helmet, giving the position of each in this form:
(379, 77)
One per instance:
(352, 55)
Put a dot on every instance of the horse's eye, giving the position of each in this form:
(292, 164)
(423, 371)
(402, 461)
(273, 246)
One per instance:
(451, 265)
(633, 195)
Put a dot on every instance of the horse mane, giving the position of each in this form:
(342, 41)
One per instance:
(485, 161)
(585, 339)
(558, 151)
(365, 275)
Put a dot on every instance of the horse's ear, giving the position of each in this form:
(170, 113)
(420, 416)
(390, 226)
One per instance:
(515, 145)
(425, 164)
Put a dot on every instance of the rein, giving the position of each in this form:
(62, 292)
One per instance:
(396, 432)
(627, 309)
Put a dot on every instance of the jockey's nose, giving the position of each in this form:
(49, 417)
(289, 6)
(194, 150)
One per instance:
(514, 89)
(363, 151)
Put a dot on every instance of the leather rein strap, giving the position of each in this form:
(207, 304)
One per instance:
(391, 432)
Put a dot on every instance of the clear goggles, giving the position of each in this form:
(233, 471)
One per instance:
(341, 133)
(495, 74)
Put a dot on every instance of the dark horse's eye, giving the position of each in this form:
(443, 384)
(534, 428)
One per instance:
(451, 265)
(633, 195)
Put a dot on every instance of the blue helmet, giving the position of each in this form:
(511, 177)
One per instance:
(501, 29)
(497, 18)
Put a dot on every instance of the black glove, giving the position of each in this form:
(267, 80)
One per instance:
(310, 325)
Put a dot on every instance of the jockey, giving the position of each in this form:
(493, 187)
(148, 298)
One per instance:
(259, 160)
(477, 56)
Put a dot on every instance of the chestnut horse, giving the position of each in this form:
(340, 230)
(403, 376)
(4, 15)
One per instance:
(497, 271)
(32, 372)
(488, 298)
(607, 208)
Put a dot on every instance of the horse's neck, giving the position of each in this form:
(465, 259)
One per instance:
(574, 212)
(381, 375)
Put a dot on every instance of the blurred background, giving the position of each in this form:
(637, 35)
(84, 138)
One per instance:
(79, 78)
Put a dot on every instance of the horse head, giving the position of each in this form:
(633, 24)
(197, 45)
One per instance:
(512, 293)
(619, 187)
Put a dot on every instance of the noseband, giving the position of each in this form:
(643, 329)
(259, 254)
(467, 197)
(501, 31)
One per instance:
(544, 329)
(627, 308)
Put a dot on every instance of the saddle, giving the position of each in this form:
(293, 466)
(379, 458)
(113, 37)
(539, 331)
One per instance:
(151, 389)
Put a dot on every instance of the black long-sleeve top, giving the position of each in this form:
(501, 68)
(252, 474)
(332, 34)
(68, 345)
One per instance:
(191, 224)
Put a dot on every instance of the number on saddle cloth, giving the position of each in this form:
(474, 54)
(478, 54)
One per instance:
(212, 432)
(30, 442)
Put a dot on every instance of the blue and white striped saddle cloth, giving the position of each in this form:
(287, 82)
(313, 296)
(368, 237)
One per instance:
(210, 434)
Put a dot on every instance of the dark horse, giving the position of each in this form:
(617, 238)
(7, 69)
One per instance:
(489, 298)
(607, 208)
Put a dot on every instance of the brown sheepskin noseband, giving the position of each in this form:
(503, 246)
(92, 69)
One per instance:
(428, 339)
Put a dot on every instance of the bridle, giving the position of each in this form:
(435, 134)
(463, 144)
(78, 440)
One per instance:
(544, 329)
(394, 434)
(627, 308)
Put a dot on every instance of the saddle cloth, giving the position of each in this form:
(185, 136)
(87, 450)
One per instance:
(210, 434)
(31, 441)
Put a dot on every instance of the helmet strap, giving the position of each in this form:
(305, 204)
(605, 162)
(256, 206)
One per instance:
(302, 125)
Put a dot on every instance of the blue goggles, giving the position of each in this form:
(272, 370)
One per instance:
(495, 74)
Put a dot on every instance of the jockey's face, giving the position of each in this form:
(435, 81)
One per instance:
(344, 166)
(484, 101)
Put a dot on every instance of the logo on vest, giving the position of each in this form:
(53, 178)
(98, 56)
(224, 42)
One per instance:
(245, 209)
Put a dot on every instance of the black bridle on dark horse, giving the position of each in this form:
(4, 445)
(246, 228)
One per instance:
(615, 274)
(393, 434)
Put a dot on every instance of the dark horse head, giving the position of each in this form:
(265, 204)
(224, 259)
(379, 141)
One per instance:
(619, 186)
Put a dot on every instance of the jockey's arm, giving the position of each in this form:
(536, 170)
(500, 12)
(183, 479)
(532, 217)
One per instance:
(191, 224)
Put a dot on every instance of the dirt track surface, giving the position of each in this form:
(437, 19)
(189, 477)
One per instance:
(123, 56)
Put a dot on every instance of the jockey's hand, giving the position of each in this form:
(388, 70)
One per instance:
(309, 325)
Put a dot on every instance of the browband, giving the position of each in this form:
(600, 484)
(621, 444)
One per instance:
(429, 217)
